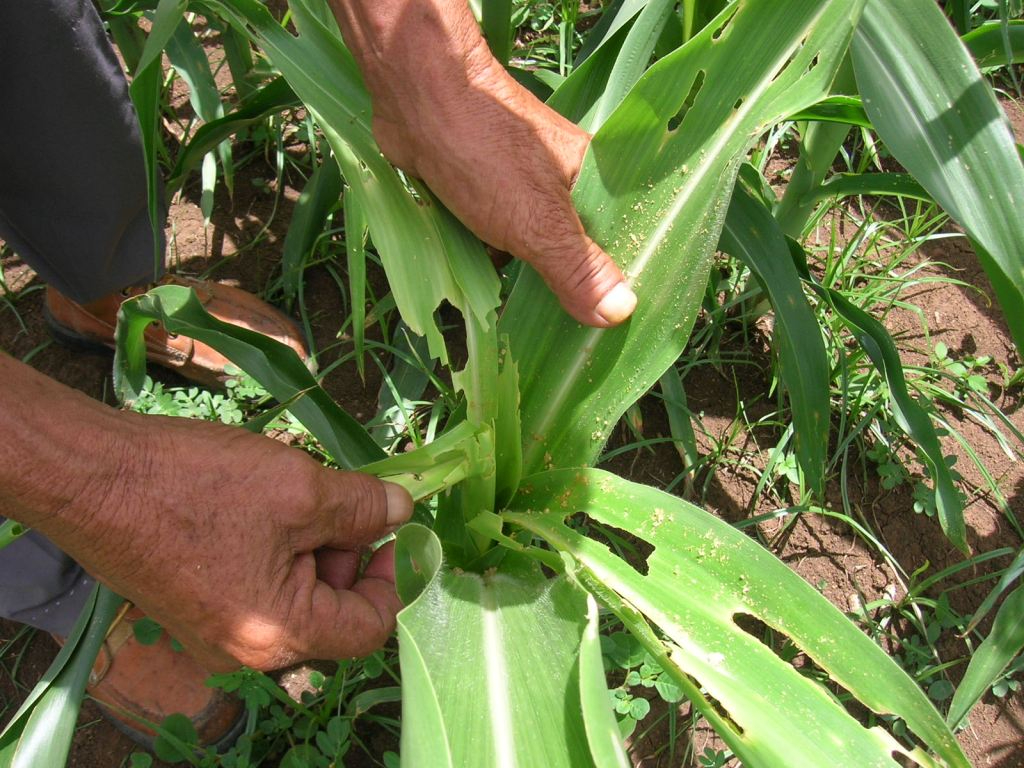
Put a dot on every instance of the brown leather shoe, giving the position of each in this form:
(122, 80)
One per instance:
(137, 685)
(92, 325)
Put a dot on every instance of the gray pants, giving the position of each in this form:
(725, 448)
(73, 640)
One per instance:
(73, 205)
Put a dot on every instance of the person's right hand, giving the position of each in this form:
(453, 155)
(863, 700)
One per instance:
(245, 550)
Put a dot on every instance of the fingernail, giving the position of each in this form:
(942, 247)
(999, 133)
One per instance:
(399, 504)
(617, 304)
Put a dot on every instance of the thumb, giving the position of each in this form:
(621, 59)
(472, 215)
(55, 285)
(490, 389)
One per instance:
(589, 285)
(361, 509)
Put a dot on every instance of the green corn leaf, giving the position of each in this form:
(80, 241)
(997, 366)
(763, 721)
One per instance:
(166, 18)
(268, 100)
(461, 452)
(145, 92)
(411, 372)
(702, 579)
(508, 433)
(428, 256)
(987, 44)
(319, 197)
(612, 21)
(836, 109)
(1003, 643)
(40, 732)
(126, 34)
(630, 62)
(238, 53)
(1012, 573)
(275, 366)
(819, 146)
(942, 122)
(820, 143)
(960, 13)
(356, 230)
(188, 58)
(653, 191)
(680, 423)
(496, 24)
(878, 184)
(575, 96)
(751, 235)
(603, 734)
(910, 414)
(512, 652)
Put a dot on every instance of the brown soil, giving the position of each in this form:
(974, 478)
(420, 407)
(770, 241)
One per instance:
(243, 243)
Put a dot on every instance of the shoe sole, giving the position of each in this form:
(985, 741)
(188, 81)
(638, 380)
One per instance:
(145, 740)
(68, 338)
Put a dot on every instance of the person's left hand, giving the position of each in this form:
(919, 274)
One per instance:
(445, 111)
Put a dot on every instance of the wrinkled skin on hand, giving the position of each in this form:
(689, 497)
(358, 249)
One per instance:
(245, 550)
(445, 111)
(249, 551)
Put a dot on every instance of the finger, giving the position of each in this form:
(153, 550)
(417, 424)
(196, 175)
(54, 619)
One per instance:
(351, 623)
(337, 567)
(362, 509)
(589, 285)
(382, 564)
(340, 567)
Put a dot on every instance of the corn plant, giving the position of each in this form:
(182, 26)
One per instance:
(499, 646)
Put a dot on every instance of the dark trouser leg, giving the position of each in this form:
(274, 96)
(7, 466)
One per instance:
(40, 585)
(72, 177)
(73, 206)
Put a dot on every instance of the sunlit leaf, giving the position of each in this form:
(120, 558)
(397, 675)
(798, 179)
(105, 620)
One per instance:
(1003, 643)
(653, 191)
(491, 668)
(942, 122)
(706, 585)
(40, 732)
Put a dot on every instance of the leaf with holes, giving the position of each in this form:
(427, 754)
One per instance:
(653, 191)
(704, 583)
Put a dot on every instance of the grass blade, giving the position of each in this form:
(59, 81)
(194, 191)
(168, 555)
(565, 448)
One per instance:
(909, 413)
(680, 424)
(268, 100)
(356, 232)
(1015, 571)
(238, 53)
(40, 732)
(189, 60)
(990, 659)
(145, 92)
(995, 44)
(496, 25)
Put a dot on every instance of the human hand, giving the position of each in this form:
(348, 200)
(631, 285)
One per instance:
(244, 550)
(445, 111)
